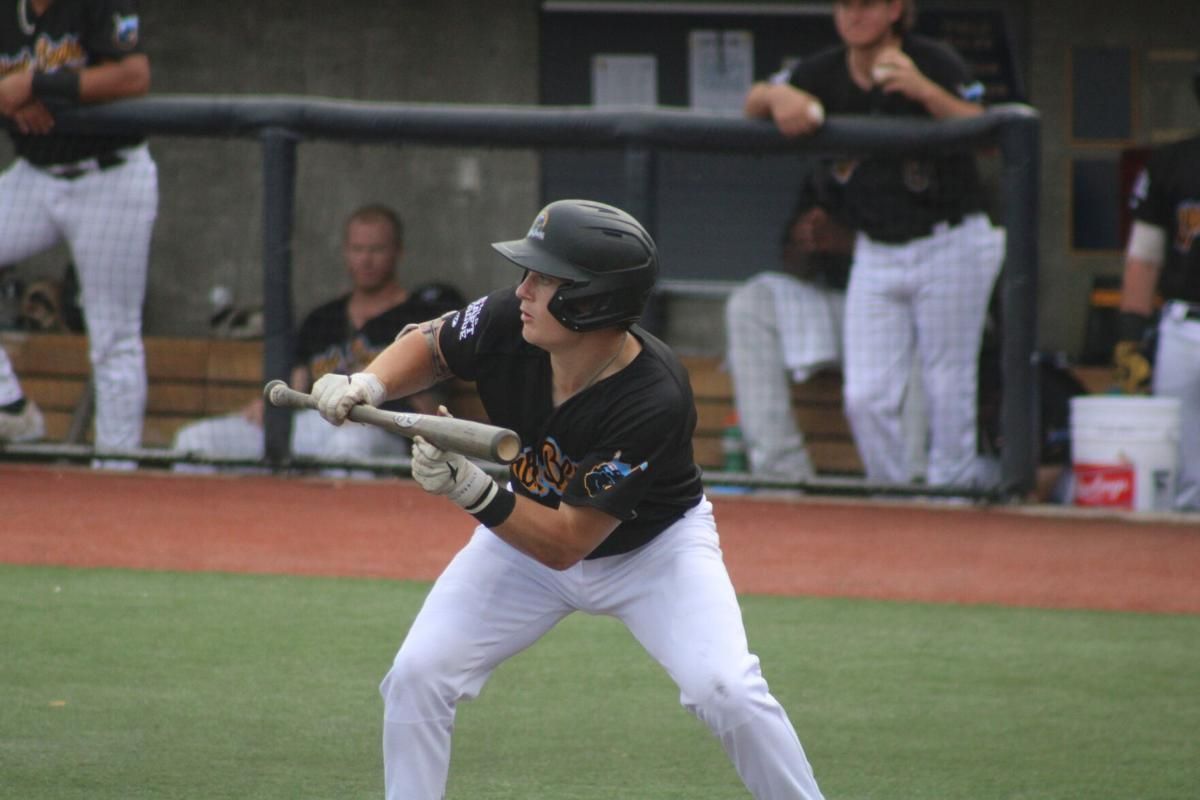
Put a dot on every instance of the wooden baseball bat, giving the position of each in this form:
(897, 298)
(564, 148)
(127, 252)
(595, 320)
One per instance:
(473, 439)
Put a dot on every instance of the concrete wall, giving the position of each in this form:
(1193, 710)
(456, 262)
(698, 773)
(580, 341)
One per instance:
(454, 200)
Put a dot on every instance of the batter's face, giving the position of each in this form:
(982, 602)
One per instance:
(538, 326)
(370, 252)
(866, 23)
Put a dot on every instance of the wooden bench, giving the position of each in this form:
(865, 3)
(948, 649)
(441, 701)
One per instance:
(194, 378)
(188, 379)
(816, 403)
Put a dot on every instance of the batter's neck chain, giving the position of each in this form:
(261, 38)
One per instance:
(596, 375)
(27, 27)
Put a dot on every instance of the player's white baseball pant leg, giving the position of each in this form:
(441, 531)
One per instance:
(1177, 374)
(108, 218)
(675, 596)
(957, 268)
(228, 436)
(27, 226)
(761, 385)
(880, 336)
(351, 441)
(10, 387)
(489, 604)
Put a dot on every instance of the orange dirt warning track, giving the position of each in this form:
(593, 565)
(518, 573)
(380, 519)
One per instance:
(391, 529)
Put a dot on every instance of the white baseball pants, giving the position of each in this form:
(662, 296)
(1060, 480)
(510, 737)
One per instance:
(1177, 374)
(780, 329)
(106, 218)
(926, 300)
(10, 387)
(673, 594)
(234, 436)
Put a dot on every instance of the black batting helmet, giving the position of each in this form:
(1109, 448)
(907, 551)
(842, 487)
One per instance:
(606, 258)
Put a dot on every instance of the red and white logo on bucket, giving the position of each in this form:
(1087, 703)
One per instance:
(1104, 485)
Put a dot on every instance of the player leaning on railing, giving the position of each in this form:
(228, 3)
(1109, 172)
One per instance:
(1163, 258)
(98, 193)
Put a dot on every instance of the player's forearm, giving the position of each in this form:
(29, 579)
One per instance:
(405, 367)
(556, 537)
(758, 101)
(941, 104)
(115, 80)
(16, 90)
(1138, 286)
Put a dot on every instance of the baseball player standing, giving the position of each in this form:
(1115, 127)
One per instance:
(98, 193)
(604, 513)
(1163, 258)
(926, 255)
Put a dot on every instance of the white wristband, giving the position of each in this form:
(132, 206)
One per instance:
(376, 394)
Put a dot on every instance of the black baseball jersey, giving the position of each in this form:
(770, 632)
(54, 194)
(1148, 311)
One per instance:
(623, 445)
(72, 34)
(1167, 195)
(890, 198)
(828, 269)
(328, 342)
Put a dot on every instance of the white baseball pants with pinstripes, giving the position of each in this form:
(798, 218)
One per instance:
(1177, 374)
(673, 594)
(106, 217)
(926, 300)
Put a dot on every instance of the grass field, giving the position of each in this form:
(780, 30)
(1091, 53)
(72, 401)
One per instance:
(122, 684)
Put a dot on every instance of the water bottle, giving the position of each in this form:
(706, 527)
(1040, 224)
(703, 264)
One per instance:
(733, 447)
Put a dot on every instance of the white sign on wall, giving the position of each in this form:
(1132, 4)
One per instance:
(720, 69)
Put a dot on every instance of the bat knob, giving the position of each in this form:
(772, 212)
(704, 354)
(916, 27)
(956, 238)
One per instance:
(269, 390)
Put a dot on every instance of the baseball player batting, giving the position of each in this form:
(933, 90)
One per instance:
(926, 256)
(1163, 258)
(604, 510)
(98, 193)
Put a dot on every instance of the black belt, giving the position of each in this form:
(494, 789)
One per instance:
(77, 169)
(889, 237)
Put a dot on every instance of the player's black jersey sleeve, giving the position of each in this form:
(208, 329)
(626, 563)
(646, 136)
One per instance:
(1167, 195)
(623, 446)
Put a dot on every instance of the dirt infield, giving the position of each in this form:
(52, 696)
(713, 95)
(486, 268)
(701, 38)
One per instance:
(391, 529)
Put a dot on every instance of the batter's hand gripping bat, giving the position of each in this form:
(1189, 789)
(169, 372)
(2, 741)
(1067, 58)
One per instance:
(473, 439)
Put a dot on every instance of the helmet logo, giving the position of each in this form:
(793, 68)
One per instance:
(538, 229)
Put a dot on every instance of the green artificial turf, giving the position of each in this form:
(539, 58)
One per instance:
(125, 684)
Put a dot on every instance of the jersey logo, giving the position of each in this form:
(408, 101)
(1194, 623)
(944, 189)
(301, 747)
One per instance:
(603, 477)
(470, 318)
(544, 471)
(46, 55)
(125, 31)
(971, 92)
(1187, 226)
(917, 175)
(843, 170)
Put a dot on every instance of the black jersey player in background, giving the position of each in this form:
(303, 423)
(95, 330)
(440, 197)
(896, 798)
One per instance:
(98, 193)
(606, 512)
(1163, 260)
(926, 255)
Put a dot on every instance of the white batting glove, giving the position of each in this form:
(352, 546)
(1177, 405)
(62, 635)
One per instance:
(337, 394)
(451, 474)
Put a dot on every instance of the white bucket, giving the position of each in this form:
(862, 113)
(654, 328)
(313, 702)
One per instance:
(1125, 451)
